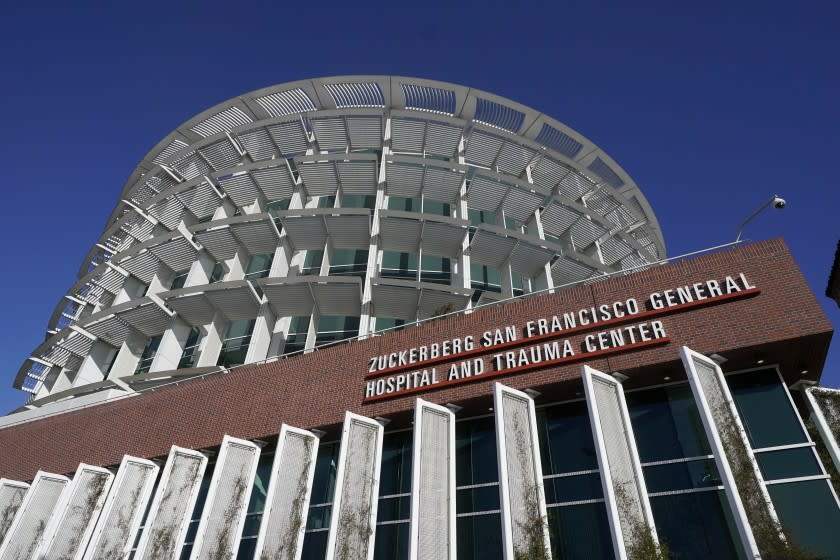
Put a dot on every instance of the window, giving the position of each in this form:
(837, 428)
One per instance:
(394, 508)
(514, 225)
(383, 323)
(195, 518)
(435, 269)
(312, 263)
(148, 355)
(278, 205)
(326, 201)
(348, 262)
(521, 284)
(404, 204)
(296, 339)
(399, 265)
(256, 507)
(332, 328)
(435, 207)
(179, 279)
(218, 273)
(481, 217)
(320, 503)
(258, 266)
(358, 201)
(485, 278)
(189, 354)
(235, 346)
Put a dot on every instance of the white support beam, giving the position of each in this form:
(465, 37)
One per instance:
(26, 533)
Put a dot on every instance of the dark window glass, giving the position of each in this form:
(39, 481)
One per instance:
(520, 284)
(332, 328)
(573, 488)
(312, 263)
(666, 423)
(326, 201)
(788, 463)
(404, 204)
(195, 517)
(148, 355)
(681, 476)
(278, 205)
(696, 526)
(393, 509)
(480, 537)
(435, 269)
(566, 442)
(358, 201)
(399, 265)
(580, 532)
(320, 504)
(383, 323)
(435, 207)
(348, 262)
(256, 506)
(236, 343)
(391, 542)
(258, 266)
(809, 511)
(481, 217)
(218, 273)
(475, 452)
(296, 339)
(765, 409)
(485, 277)
(395, 476)
(480, 498)
(190, 349)
(179, 279)
(315, 546)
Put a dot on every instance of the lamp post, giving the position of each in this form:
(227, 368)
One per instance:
(777, 202)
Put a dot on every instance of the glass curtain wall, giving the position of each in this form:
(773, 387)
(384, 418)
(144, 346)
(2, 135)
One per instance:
(394, 509)
(320, 503)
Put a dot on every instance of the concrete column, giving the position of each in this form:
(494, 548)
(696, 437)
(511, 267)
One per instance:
(171, 346)
(212, 342)
(95, 364)
(261, 337)
(129, 355)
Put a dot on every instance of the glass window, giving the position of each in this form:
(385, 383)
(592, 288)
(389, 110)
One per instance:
(576, 488)
(481, 217)
(697, 525)
(326, 201)
(765, 409)
(358, 201)
(480, 537)
(566, 442)
(514, 225)
(348, 262)
(809, 511)
(435, 269)
(701, 473)
(395, 475)
(298, 331)
(404, 204)
(521, 284)
(256, 506)
(332, 328)
(235, 346)
(666, 423)
(148, 355)
(485, 277)
(320, 504)
(788, 463)
(218, 273)
(179, 279)
(580, 532)
(475, 452)
(258, 266)
(399, 265)
(278, 205)
(312, 263)
(196, 513)
(435, 207)
(394, 508)
(383, 323)
(190, 349)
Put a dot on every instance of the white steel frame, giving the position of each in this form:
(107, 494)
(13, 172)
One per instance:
(24, 505)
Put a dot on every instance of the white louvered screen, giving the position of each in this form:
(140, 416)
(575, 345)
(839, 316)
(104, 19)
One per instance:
(227, 501)
(27, 530)
(122, 513)
(717, 411)
(824, 413)
(352, 527)
(628, 507)
(432, 528)
(520, 474)
(70, 528)
(287, 498)
(169, 515)
(11, 496)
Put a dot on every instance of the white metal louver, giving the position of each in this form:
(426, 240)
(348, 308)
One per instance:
(715, 405)
(432, 527)
(11, 496)
(169, 515)
(26, 531)
(520, 474)
(224, 511)
(824, 415)
(628, 508)
(66, 535)
(287, 498)
(352, 527)
(119, 521)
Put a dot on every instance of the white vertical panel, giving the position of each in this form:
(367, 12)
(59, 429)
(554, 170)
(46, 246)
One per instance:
(76, 513)
(169, 515)
(628, 506)
(122, 513)
(353, 523)
(520, 473)
(287, 498)
(714, 402)
(825, 416)
(432, 528)
(27, 530)
(227, 501)
(11, 496)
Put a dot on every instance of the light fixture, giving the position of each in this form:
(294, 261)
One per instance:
(620, 377)
(382, 420)
(490, 408)
(718, 359)
(318, 433)
(454, 408)
(533, 393)
(667, 378)
(777, 202)
(804, 372)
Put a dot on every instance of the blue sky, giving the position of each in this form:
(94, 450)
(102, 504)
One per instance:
(711, 108)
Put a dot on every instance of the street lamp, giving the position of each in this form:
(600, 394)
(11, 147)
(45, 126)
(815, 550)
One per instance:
(777, 202)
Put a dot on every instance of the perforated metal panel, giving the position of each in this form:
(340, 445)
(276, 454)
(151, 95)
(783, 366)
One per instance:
(224, 511)
(628, 507)
(715, 405)
(117, 527)
(432, 526)
(28, 528)
(169, 514)
(11, 496)
(71, 525)
(520, 473)
(352, 527)
(287, 498)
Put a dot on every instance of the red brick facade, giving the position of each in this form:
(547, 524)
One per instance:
(782, 323)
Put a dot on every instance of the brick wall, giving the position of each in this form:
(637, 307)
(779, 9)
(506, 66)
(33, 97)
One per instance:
(315, 389)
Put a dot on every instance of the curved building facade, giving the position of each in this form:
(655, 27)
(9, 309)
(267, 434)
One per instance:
(372, 318)
(314, 211)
